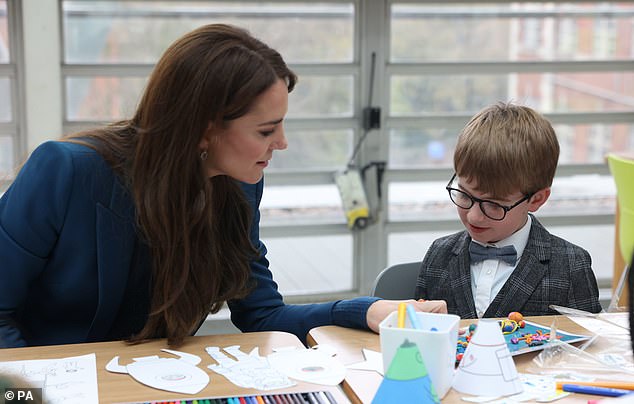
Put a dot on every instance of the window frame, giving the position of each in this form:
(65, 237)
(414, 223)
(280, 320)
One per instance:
(14, 71)
(372, 27)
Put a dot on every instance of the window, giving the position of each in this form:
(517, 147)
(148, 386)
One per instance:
(104, 72)
(447, 61)
(435, 65)
(10, 121)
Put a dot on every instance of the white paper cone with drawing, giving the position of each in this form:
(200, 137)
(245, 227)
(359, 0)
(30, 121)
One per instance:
(487, 365)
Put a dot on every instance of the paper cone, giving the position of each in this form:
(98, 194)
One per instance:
(406, 380)
(487, 367)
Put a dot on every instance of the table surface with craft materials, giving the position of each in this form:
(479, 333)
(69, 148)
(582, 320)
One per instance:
(362, 385)
(120, 387)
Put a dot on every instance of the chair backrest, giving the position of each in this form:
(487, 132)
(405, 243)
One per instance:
(622, 170)
(397, 282)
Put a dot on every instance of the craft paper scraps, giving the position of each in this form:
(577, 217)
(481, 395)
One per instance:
(373, 362)
(169, 374)
(248, 371)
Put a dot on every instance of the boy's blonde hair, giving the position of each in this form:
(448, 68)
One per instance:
(505, 148)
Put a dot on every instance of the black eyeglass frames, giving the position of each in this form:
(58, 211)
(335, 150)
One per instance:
(490, 209)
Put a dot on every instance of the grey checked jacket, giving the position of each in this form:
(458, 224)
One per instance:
(550, 271)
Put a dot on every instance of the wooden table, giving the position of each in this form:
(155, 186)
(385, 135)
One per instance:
(116, 387)
(360, 385)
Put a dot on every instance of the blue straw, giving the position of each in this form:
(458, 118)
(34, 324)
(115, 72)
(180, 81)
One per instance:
(413, 318)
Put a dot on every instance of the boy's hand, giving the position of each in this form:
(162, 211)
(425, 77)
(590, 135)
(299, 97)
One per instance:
(381, 308)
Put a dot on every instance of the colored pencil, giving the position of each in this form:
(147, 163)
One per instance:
(599, 391)
(613, 385)
(402, 307)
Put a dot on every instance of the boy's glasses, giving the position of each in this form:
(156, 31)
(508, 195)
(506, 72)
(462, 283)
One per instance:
(492, 210)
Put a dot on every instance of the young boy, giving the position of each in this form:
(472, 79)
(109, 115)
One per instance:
(505, 260)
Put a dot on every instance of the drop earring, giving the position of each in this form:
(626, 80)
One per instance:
(203, 155)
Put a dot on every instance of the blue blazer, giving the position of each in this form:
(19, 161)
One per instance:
(67, 241)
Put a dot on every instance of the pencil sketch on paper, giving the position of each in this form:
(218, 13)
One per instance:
(71, 380)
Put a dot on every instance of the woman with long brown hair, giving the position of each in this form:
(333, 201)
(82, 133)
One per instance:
(141, 228)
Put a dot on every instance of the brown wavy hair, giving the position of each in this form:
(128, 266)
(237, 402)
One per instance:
(197, 228)
(507, 148)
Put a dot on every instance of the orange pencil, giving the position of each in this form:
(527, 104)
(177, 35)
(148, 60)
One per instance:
(613, 385)
(401, 315)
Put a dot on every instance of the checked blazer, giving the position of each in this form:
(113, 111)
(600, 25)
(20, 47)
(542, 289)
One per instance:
(551, 270)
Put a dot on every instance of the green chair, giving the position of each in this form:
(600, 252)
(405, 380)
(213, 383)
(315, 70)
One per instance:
(622, 170)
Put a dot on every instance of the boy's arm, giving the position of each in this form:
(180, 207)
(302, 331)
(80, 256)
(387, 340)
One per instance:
(584, 291)
(421, 284)
(421, 291)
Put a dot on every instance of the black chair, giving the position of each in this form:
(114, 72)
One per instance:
(397, 282)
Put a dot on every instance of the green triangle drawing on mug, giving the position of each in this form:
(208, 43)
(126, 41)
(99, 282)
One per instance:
(406, 379)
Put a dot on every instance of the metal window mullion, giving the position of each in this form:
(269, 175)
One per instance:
(442, 174)
(8, 128)
(456, 122)
(474, 12)
(117, 70)
(16, 49)
(418, 174)
(299, 177)
(326, 69)
(294, 124)
(323, 123)
(321, 177)
(585, 118)
(289, 231)
(370, 245)
(453, 122)
(215, 11)
(462, 2)
(502, 67)
(7, 70)
(144, 69)
(448, 225)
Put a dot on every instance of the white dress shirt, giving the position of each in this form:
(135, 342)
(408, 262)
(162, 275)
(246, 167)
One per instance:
(488, 276)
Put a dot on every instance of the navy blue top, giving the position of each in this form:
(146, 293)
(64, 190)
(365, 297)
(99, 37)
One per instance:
(71, 261)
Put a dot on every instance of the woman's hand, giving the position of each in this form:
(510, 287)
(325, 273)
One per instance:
(381, 308)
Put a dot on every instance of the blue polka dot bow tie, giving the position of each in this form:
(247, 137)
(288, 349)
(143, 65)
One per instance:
(479, 253)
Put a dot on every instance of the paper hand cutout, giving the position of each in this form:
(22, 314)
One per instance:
(249, 371)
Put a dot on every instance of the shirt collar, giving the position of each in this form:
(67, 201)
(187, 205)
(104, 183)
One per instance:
(519, 239)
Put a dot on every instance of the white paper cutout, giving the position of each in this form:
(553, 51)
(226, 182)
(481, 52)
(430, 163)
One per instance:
(487, 365)
(248, 371)
(537, 388)
(373, 362)
(604, 323)
(169, 374)
(542, 387)
(309, 365)
(71, 380)
(480, 399)
(326, 349)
